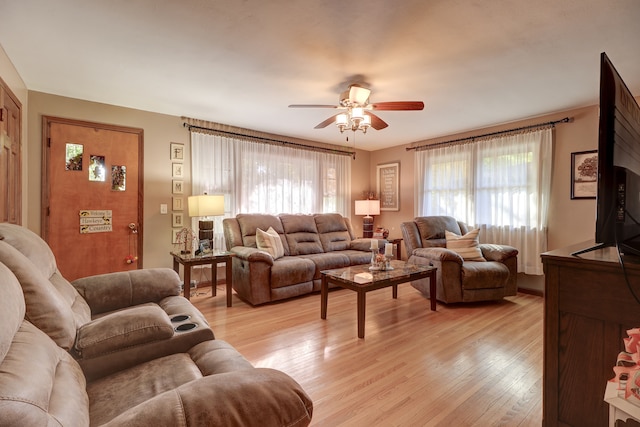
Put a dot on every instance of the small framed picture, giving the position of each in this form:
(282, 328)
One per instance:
(177, 171)
(175, 235)
(584, 174)
(205, 246)
(178, 187)
(177, 220)
(178, 203)
(177, 151)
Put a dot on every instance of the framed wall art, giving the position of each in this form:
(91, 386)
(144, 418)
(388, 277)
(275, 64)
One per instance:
(584, 174)
(177, 220)
(177, 171)
(388, 186)
(177, 187)
(178, 203)
(177, 151)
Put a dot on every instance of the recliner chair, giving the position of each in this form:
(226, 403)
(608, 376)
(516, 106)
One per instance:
(209, 384)
(459, 280)
(106, 321)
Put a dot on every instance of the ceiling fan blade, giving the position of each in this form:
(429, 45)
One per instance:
(326, 122)
(398, 105)
(376, 122)
(312, 106)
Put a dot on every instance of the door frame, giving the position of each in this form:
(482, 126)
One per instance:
(46, 142)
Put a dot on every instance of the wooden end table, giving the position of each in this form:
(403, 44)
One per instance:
(402, 272)
(213, 258)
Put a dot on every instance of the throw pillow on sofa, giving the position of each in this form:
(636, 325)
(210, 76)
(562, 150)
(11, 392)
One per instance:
(269, 241)
(466, 246)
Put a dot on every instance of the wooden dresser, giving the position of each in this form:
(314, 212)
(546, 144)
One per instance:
(588, 309)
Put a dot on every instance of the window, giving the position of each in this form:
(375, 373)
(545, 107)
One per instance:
(264, 178)
(500, 185)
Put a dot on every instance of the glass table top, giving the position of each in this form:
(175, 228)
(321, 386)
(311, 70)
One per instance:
(401, 270)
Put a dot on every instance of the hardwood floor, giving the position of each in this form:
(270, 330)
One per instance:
(463, 365)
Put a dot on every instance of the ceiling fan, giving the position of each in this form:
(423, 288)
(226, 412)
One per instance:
(358, 115)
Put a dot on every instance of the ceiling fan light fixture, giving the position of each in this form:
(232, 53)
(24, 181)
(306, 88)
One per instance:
(365, 123)
(342, 120)
(357, 113)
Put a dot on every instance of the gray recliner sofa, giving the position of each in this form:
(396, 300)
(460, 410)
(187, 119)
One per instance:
(209, 384)
(459, 280)
(312, 243)
(106, 321)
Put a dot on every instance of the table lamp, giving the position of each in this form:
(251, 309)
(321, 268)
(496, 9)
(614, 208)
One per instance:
(203, 206)
(367, 208)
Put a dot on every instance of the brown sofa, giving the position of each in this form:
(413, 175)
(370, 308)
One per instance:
(312, 243)
(209, 384)
(459, 280)
(106, 321)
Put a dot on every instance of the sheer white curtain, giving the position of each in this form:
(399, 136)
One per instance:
(500, 185)
(266, 178)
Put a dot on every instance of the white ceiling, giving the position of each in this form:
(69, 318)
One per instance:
(475, 63)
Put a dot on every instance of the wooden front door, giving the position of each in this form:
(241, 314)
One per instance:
(92, 196)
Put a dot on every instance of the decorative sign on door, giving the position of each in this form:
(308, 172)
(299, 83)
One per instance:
(388, 183)
(95, 221)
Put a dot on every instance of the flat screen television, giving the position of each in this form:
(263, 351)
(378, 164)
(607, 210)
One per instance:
(618, 193)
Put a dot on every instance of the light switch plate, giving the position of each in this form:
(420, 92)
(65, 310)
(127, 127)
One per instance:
(163, 208)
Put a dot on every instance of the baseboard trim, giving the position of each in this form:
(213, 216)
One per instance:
(535, 292)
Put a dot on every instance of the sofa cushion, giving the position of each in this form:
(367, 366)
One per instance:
(49, 307)
(466, 246)
(270, 242)
(41, 383)
(291, 270)
(432, 229)
(126, 328)
(333, 231)
(249, 223)
(301, 234)
(484, 275)
(12, 308)
(212, 384)
(327, 261)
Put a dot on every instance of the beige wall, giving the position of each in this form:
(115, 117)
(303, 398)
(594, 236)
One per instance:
(570, 221)
(159, 131)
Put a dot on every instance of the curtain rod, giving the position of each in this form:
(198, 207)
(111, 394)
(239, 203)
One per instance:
(272, 141)
(501, 132)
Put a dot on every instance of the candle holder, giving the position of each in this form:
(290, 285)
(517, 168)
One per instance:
(387, 262)
(379, 262)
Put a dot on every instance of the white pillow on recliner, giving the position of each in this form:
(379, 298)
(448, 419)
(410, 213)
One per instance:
(466, 246)
(269, 241)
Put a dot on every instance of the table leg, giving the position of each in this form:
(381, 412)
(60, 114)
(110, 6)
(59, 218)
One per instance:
(214, 278)
(229, 280)
(187, 280)
(324, 291)
(361, 309)
(432, 290)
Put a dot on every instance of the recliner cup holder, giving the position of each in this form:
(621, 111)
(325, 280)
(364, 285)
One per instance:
(180, 318)
(185, 327)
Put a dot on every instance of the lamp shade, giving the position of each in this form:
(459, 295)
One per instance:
(367, 207)
(206, 205)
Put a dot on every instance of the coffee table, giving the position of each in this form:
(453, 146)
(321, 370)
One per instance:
(401, 273)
